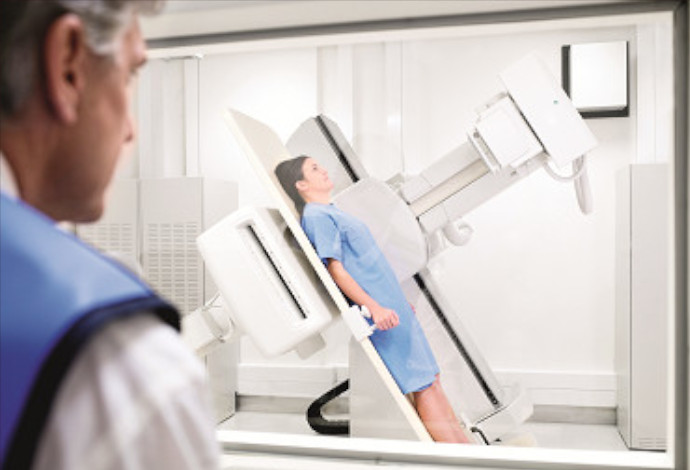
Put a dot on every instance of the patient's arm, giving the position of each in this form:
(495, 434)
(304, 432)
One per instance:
(384, 318)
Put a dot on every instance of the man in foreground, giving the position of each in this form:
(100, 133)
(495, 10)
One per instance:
(94, 375)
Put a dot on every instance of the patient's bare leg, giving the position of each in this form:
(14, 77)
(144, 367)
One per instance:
(437, 414)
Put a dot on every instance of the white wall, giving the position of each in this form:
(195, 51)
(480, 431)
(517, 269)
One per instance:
(536, 284)
(273, 87)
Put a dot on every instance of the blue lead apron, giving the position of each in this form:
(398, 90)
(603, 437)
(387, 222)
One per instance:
(55, 293)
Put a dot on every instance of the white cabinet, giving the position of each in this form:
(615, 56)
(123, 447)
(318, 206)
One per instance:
(151, 225)
(642, 304)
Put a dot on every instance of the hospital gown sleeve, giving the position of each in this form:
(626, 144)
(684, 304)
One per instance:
(324, 235)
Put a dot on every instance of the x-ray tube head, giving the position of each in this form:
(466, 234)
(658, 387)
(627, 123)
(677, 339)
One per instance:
(548, 110)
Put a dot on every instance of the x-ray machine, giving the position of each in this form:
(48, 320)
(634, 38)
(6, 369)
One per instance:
(273, 287)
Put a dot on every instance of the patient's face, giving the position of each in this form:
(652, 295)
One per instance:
(316, 176)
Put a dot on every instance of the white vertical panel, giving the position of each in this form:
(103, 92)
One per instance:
(642, 307)
(171, 124)
(191, 115)
(144, 123)
(377, 99)
(161, 119)
(335, 83)
(622, 356)
(649, 304)
(644, 110)
(654, 93)
(664, 104)
(393, 106)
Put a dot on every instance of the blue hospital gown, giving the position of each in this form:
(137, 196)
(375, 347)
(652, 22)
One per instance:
(404, 349)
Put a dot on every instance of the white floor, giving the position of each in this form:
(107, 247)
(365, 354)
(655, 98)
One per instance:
(547, 435)
(564, 436)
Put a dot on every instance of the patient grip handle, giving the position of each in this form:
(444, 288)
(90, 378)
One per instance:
(354, 317)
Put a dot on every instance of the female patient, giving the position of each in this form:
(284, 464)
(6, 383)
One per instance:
(360, 270)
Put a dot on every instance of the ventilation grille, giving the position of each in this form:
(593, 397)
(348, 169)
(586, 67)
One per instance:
(172, 263)
(651, 443)
(116, 238)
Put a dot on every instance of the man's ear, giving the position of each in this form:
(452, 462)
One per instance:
(64, 60)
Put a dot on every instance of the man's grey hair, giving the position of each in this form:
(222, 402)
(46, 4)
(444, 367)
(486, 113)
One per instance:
(24, 23)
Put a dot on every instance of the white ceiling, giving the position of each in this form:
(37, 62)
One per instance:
(185, 18)
(172, 6)
(465, 6)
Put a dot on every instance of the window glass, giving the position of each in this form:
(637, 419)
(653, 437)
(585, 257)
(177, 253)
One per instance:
(545, 302)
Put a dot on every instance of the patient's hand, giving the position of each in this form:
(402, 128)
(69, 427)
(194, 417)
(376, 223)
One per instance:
(384, 318)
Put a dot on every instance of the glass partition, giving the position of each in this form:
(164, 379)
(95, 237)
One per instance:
(574, 310)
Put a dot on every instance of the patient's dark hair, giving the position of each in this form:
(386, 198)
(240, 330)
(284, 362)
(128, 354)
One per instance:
(288, 173)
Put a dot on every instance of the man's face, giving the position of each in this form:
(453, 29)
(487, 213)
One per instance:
(89, 157)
